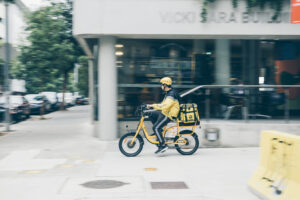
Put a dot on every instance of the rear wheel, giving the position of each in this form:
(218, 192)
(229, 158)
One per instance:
(190, 143)
(129, 148)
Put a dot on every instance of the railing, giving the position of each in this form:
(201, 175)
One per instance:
(207, 92)
(246, 88)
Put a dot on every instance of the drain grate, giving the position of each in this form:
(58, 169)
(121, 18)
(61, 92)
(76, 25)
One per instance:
(103, 184)
(168, 185)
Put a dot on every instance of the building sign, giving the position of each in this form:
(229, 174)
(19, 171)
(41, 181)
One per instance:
(295, 11)
(192, 17)
(159, 18)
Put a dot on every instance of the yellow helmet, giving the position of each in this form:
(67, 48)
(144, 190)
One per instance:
(166, 80)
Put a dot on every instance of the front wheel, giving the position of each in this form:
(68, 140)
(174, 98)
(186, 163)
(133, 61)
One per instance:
(190, 143)
(129, 148)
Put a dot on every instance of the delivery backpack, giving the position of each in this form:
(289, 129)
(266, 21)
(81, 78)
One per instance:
(188, 115)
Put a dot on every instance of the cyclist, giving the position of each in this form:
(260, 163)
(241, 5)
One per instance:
(164, 112)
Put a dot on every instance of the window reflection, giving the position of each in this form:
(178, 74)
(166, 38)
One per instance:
(143, 62)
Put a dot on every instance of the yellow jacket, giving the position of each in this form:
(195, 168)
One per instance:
(170, 105)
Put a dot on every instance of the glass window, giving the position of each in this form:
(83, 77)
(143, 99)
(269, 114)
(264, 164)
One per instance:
(142, 63)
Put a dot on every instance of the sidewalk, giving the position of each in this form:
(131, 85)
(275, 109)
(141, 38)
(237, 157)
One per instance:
(59, 159)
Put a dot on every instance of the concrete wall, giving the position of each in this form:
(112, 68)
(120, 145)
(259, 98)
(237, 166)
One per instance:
(232, 133)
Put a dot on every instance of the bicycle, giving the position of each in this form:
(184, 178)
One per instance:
(186, 142)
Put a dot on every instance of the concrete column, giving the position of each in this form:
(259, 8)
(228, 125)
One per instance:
(91, 89)
(253, 70)
(222, 62)
(198, 66)
(252, 74)
(107, 101)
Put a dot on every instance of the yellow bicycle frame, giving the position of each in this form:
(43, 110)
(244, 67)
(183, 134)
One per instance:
(150, 138)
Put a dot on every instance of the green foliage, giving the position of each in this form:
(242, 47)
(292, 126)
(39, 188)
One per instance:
(51, 51)
(83, 85)
(275, 5)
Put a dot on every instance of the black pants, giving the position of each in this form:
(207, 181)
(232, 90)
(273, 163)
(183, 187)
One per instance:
(159, 120)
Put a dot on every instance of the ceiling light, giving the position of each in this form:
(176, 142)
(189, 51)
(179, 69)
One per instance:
(119, 53)
(119, 45)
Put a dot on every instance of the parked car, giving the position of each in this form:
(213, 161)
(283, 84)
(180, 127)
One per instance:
(19, 107)
(81, 101)
(53, 99)
(69, 100)
(36, 102)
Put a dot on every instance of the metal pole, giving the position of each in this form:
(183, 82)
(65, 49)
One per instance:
(286, 106)
(6, 69)
(76, 75)
(91, 88)
(244, 107)
(207, 104)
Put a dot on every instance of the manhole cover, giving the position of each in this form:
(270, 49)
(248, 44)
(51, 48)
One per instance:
(104, 184)
(168, 185)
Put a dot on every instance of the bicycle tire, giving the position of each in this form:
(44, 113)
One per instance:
(135, 153)
(193, 136)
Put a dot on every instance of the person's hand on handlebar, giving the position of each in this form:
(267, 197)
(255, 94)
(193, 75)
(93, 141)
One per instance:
(149, 106)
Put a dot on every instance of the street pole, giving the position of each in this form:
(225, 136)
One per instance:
(6, 69)
(76, 75)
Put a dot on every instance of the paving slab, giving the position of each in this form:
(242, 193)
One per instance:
(221, 173)
(56, 159)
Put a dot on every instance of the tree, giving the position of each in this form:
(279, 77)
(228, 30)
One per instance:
(83, 83)
(51, 52)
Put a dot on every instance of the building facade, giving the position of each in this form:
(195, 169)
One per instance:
(133, 43)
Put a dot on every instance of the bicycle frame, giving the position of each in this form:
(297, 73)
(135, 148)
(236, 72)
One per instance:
(176, 133)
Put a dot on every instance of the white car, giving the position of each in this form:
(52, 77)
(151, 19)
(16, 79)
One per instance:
(69, 100)
(36, 101)
(52, 97)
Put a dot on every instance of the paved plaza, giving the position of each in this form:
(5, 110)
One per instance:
(59, 159)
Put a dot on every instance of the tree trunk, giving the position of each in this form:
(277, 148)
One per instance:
(42, 109)
(62, 105)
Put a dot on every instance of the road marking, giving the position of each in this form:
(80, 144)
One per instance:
(25, 160)
(66, 166)
(33, 172)
(150, 169)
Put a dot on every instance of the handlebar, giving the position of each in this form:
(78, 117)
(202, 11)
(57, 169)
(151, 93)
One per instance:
(142, 110)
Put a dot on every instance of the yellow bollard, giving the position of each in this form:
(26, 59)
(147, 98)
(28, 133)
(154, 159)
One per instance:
(278, 174)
